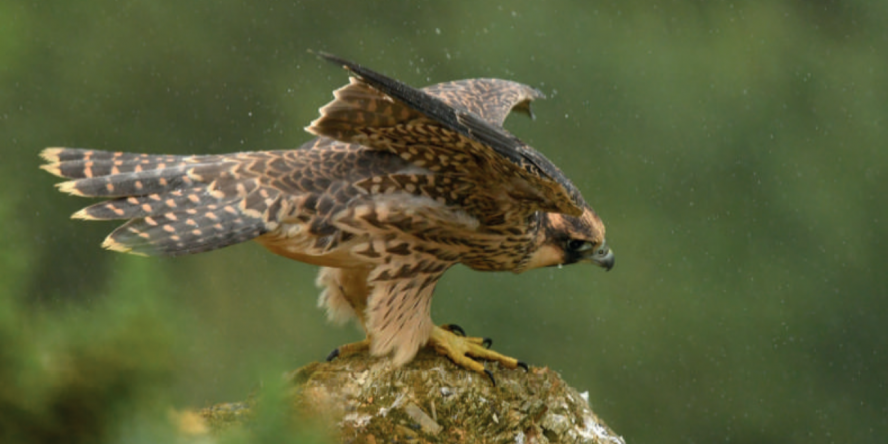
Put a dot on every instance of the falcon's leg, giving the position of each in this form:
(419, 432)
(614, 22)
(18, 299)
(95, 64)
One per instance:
(462, 349)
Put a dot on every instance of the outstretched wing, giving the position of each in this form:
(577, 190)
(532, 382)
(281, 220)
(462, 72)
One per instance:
(456, 134)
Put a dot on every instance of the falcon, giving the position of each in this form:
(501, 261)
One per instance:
(400, 185)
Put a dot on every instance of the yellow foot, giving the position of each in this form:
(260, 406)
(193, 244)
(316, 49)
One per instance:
(349, 349)
(450, 341)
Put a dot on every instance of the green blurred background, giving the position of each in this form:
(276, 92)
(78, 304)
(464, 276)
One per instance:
(735, 150)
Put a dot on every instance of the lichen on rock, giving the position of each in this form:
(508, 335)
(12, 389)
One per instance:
(431, 400)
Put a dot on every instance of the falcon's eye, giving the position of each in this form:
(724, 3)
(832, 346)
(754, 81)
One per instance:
(578, 245)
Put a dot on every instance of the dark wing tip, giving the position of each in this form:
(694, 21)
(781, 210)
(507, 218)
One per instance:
(349, 65)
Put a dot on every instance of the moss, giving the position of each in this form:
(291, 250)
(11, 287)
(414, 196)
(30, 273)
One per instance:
(430, 400)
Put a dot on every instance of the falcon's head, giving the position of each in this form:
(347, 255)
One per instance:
(567, 239)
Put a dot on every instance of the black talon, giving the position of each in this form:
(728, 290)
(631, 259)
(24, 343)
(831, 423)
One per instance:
(490, 375)
(487, 343)
(333, 354)
(524, 365)
(455, 329)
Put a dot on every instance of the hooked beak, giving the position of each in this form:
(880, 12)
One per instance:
(603, 257)
(607, 262)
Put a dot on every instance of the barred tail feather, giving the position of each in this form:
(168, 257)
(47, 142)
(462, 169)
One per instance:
(77, 163)
(129, 184)
(58, 154)
(133, 207)
(184, 232)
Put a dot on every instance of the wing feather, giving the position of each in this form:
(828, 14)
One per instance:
(383, 113)
(490, 99)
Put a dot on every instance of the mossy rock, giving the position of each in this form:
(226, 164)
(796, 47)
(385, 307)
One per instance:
(430, 400)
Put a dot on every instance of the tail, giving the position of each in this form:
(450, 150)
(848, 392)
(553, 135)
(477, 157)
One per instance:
(175, 204)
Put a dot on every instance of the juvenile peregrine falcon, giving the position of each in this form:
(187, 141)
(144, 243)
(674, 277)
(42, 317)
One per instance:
(399, 185)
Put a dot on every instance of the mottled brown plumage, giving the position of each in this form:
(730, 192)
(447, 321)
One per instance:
(400, 185)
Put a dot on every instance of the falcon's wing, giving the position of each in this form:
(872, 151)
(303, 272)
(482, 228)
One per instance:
(443, 138)
(490, 99)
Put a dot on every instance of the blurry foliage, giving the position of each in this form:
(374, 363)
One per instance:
(107, 374)
(84, 374)
(736, 151)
